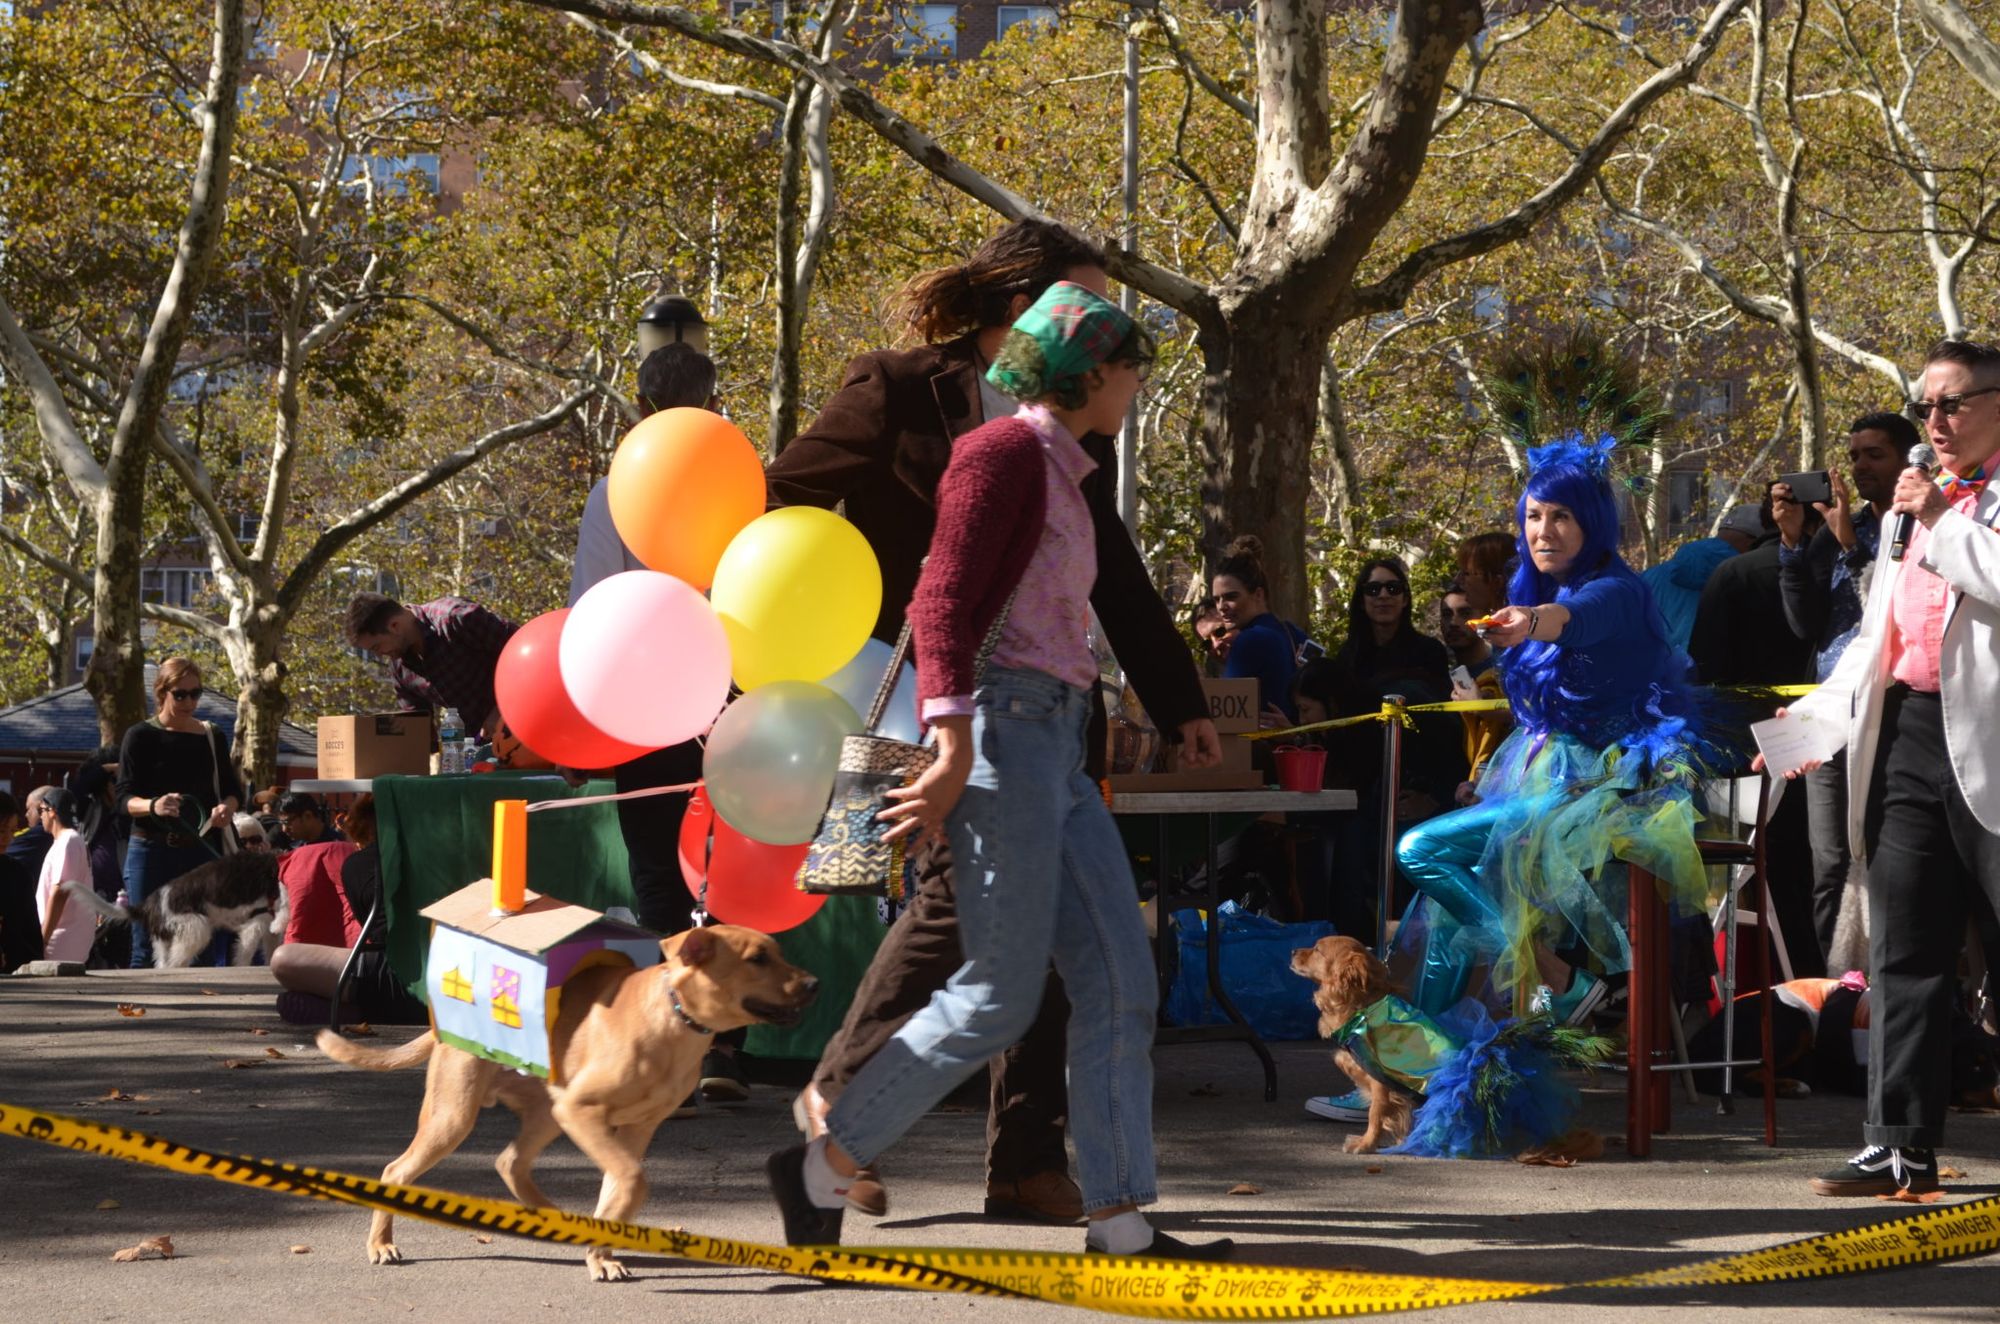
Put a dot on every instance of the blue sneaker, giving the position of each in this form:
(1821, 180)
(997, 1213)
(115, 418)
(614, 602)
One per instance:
(1574, 1006)
(1349, 1107)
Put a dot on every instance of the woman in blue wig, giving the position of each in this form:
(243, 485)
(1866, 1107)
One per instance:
(1601, 767)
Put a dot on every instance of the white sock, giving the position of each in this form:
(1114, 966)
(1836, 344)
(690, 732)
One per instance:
(1121, 1234)
(824, 1187)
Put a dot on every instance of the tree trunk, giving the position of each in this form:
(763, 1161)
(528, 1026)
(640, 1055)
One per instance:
(261, 701)
(790, 300)
(1257, 430)
(1344, 477)
(116, 677)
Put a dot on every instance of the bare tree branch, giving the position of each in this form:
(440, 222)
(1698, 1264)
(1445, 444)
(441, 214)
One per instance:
(1170, 28)
(52, 415)
(55, 565)
(363, 518)
(1394, 289)
(1965, 41)
(1169, 287)
(655, 66)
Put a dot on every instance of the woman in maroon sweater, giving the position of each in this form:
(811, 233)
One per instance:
(1041, 870)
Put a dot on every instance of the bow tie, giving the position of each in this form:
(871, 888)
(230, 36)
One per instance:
(1954, 486)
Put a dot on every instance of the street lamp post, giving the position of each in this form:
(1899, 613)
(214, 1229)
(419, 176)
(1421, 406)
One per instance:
(669, 319)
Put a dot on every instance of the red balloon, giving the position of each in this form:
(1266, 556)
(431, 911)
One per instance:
(528, 686)
(749, 882)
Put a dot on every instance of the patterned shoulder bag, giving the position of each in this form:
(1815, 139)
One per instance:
(848, 855)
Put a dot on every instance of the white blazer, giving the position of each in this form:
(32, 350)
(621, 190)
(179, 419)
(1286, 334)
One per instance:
(1965, 551)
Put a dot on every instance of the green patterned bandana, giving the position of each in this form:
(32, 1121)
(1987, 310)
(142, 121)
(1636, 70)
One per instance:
(1069, 331)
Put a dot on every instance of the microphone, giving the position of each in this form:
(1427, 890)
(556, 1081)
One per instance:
(1924, 458)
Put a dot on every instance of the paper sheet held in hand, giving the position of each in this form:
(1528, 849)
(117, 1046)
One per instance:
(1789, 742)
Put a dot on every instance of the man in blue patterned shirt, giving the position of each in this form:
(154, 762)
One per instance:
(1823, 583)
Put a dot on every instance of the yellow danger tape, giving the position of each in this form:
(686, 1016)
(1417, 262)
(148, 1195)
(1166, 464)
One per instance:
(1152, 1289)
(1400, 712)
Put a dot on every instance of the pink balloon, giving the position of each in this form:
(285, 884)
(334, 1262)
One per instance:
(644, 659)
(528, 687)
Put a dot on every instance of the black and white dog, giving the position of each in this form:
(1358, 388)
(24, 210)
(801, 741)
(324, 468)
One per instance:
(238, 892)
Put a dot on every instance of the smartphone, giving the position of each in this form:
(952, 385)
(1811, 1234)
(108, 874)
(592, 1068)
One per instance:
(1461, 681)
(1810, 489)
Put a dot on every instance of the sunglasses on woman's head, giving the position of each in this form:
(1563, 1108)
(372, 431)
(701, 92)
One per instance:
(1376, 588)
(185, 696)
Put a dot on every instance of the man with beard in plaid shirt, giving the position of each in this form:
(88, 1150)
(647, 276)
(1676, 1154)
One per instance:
(441, 653)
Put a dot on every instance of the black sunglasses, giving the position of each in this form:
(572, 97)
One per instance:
(1948, 405)
(186, 696)
(1376, 588)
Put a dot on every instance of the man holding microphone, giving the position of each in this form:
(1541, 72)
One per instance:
(1913, 699)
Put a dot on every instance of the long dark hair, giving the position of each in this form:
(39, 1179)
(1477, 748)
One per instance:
(1022, 260)
(1360, 630)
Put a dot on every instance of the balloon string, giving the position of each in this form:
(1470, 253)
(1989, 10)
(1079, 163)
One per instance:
(580, 801)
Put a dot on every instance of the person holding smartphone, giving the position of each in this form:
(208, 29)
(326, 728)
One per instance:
(1822, 580)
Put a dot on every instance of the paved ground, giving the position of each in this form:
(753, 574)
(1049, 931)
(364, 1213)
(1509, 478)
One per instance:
(63, 1047)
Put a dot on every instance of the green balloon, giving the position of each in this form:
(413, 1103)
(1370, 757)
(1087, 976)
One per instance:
(771, 758)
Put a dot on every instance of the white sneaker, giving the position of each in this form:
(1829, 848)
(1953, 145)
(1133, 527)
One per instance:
(1349, 1107)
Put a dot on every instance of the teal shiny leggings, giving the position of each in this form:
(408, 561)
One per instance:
(1441, 857)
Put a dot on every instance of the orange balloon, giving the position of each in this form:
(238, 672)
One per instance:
(683, 484)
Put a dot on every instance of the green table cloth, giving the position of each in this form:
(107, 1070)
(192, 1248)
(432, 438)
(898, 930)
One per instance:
(437, 835)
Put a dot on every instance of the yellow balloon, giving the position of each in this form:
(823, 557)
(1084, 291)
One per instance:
(798, 591)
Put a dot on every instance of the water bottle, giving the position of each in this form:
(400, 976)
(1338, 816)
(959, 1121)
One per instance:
(451, 742)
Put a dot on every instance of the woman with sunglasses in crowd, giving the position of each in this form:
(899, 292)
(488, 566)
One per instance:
(177, 784)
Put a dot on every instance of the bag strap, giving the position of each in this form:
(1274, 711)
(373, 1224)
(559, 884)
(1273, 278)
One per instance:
(901, 654)
(229, 846)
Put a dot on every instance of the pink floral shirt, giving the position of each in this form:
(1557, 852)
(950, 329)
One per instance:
(1048, 627)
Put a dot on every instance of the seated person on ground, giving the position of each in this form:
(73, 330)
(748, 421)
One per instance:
(310, 971)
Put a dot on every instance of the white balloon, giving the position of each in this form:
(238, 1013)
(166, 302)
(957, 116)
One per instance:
(858, 680)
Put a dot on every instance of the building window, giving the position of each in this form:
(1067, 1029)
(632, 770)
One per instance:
(927, 31)
(392, 174)
(1489, 304)
(1683, 499)
(1010, 16)
(174, 586)
(1711, 399)
(751, 15)
(85, 646)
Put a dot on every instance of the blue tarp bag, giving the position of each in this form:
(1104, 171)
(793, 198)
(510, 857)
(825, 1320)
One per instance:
(1256, 973)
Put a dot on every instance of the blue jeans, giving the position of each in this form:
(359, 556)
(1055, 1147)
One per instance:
(149, 866)
(1041, 875)
(1441, 858)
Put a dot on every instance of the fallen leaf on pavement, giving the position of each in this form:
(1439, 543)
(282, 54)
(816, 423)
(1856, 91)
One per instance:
(362, 1030)
(1913, 1197)
(302, 1250)
(272, 1052)
(1951, 1174)
(107, 1204)
(1565, 1151)
(237, 1063)
(482, 1238)
(259, 1030)
(161, 1246)
(146, 1112)
(258, 1105)
(1245, 1188)
(209, 993)
(1374, 1167)
(130, 1009)
(116, 1095)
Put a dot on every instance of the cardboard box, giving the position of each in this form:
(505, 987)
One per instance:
(374, 745)
(1233, 705)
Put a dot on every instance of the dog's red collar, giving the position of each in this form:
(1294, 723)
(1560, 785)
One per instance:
(674, 1001)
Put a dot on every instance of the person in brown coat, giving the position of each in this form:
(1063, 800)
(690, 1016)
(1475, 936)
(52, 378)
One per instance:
(880, 446)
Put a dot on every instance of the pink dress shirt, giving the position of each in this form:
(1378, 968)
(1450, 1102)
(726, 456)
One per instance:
(1919, 608)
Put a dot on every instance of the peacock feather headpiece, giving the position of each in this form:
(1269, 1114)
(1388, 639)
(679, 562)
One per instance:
(1574, 386)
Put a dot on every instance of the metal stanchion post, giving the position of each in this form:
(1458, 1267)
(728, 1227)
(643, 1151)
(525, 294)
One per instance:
(1392, 779)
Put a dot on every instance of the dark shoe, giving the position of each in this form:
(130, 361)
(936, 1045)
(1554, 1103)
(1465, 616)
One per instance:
(1046, 1197)
(296, 1008)
(1165, 1247)
(722, 1080)
(806, 1224)
(1882, 1170)
(690, 1107)
(866, 1194)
